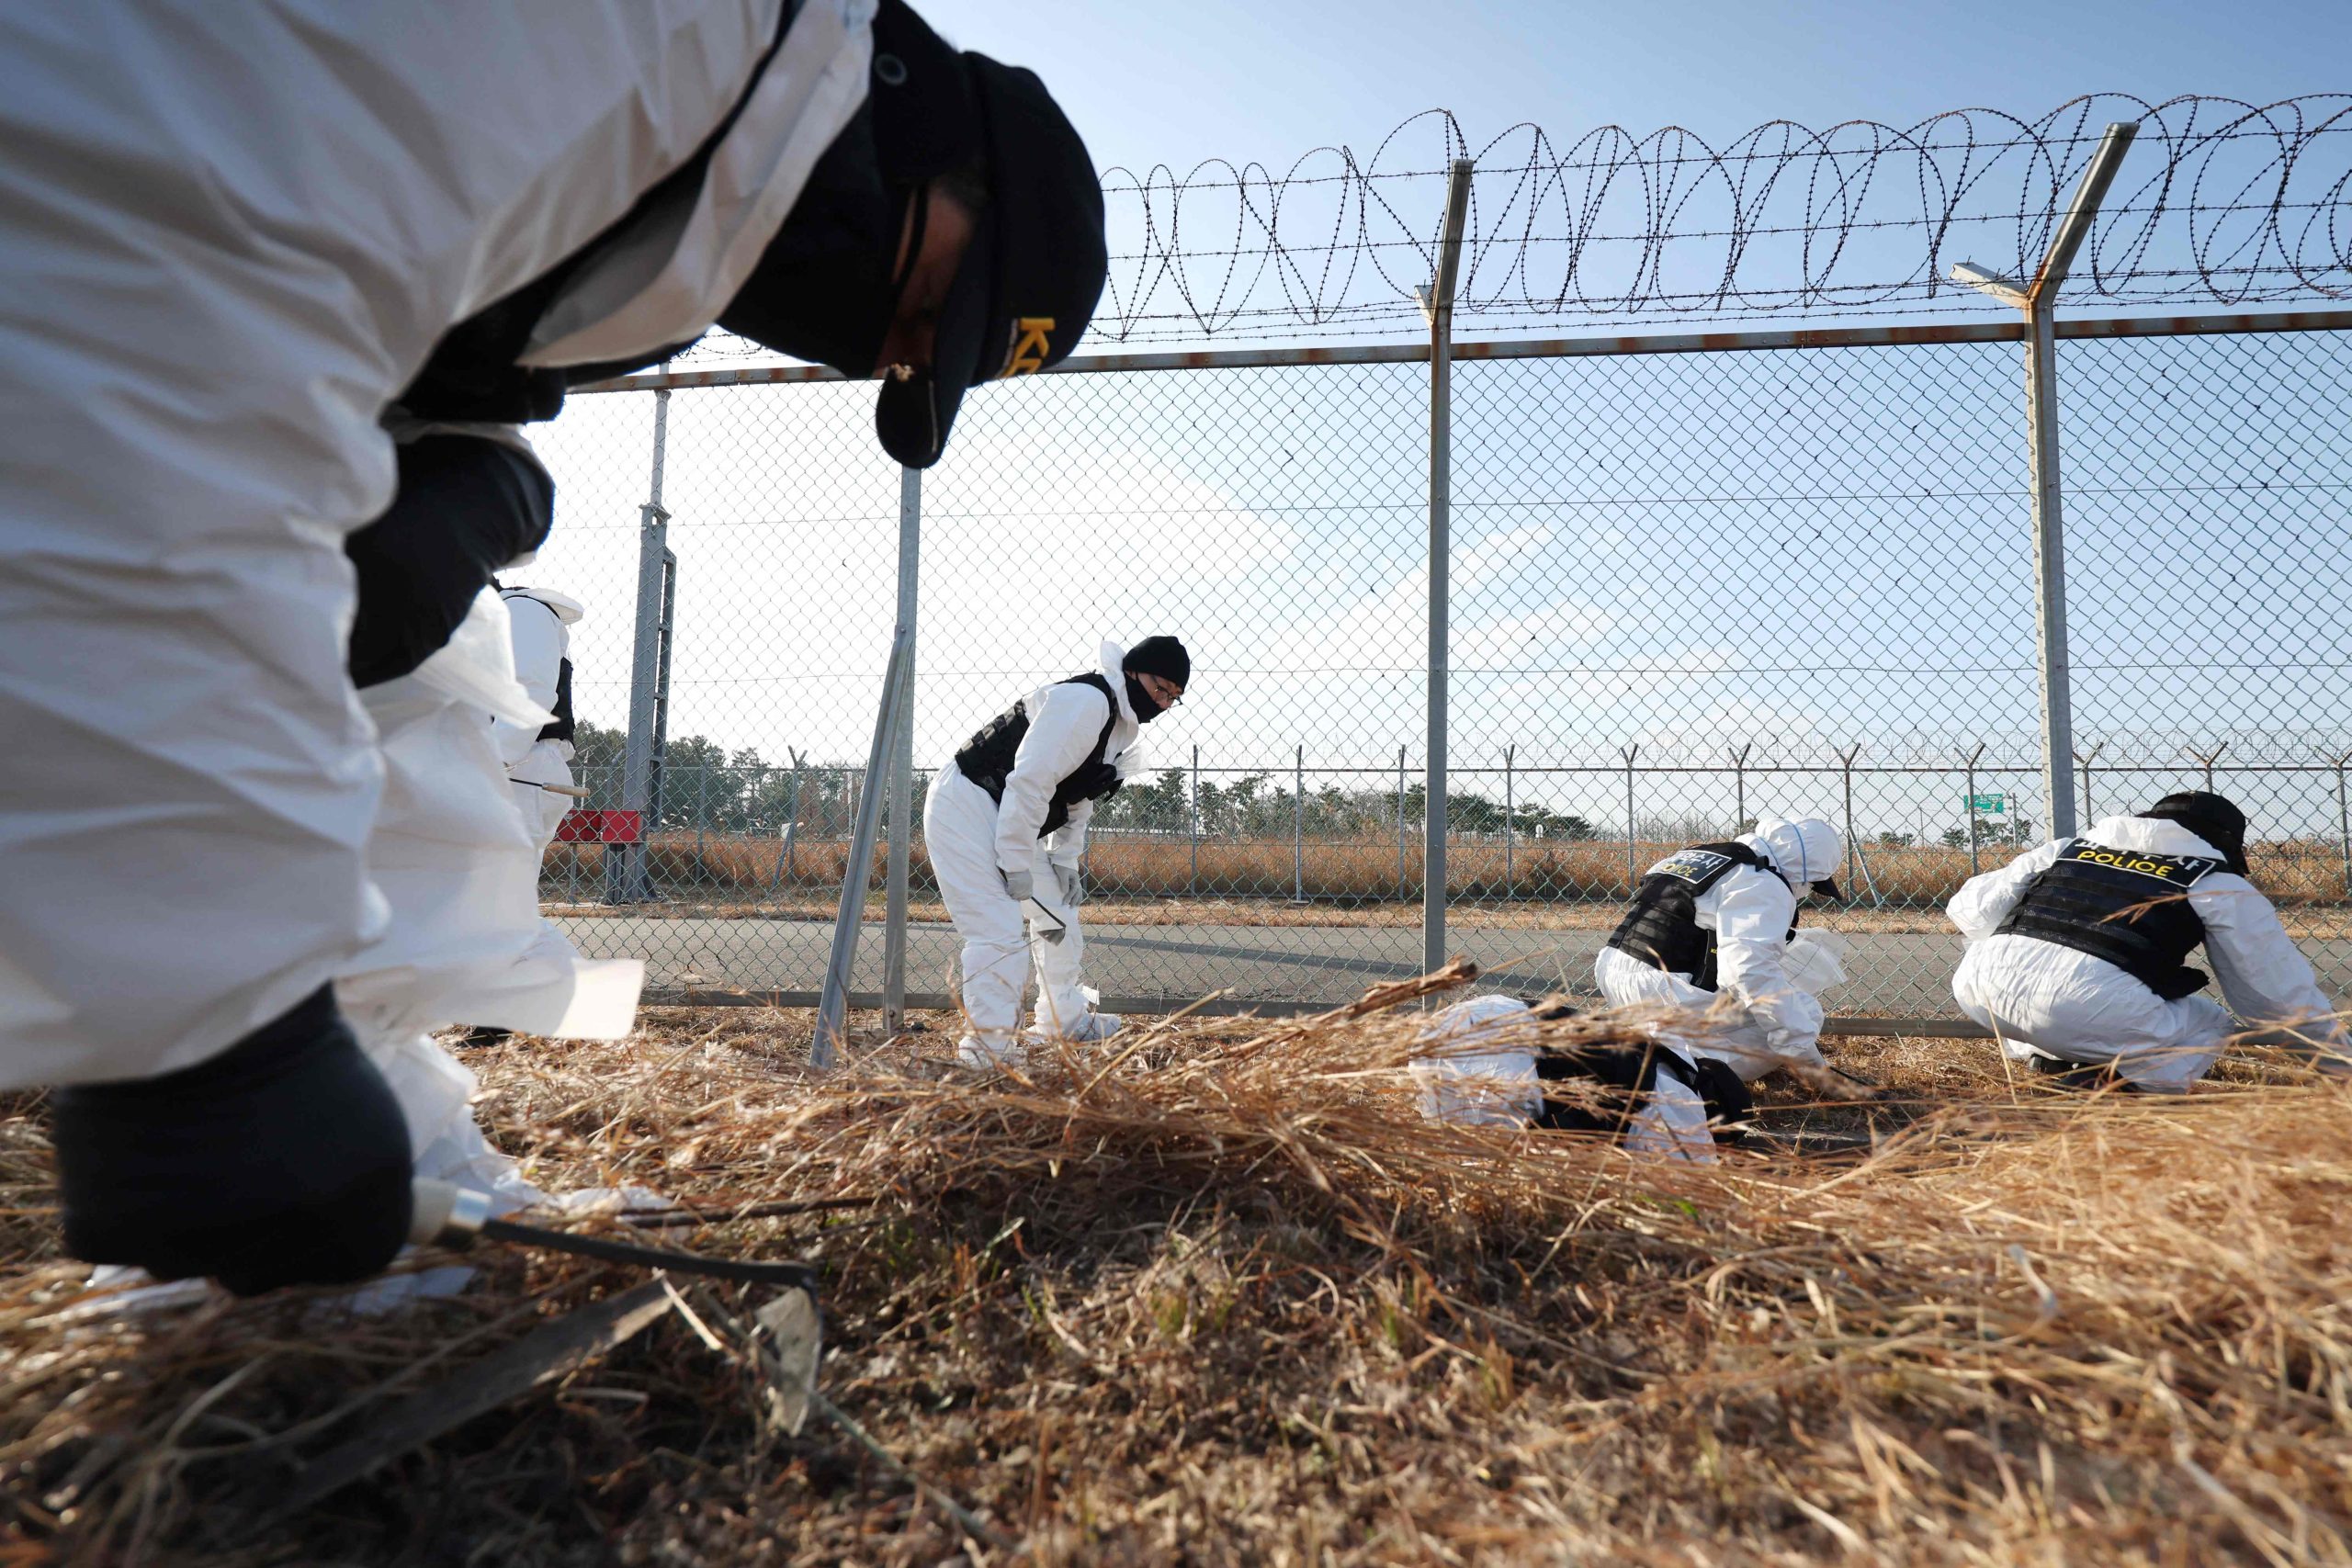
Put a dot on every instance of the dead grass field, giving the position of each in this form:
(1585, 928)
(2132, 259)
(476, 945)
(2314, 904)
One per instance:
(1214, 1294)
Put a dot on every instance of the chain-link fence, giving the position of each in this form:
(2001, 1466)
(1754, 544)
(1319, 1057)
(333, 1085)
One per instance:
(1688, 590)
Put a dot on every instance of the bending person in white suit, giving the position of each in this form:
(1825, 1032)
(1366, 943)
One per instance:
(1491, 1061)
(539, 761)
(1005, 823)
(2077, 951)
(1711, 929)
(343, 220)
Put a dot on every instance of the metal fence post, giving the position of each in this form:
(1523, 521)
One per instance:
(857, 870)
(1629, 752)
(2089, 815)
(1193, 819)
(1972, 807)
(1298, 827)
(2344, 823)
(902, 765)
(1401, 884)
(2209, 761)
(1846, 769)
(1739, 789)
(625, 880)
(792, 828)
(1510, 846)
(2039, 301)
(1437, 303)
(702, 810)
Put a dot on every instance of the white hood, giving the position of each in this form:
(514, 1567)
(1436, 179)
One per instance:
(1115, 669)
(1805, 851)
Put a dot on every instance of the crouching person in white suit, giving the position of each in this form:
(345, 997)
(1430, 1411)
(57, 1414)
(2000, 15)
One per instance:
(539, 761)
(1490, 1064)
(1005, 823)
(333, 210)
(1712, 929)
(456, 848)
(2077, 951)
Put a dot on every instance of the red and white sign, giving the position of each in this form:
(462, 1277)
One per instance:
(601, 827)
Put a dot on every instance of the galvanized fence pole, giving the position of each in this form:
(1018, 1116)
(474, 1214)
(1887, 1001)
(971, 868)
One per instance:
(1510, 846)
(1298, 827)
(1629, 752)
(1400, 824)
(902, 764)
(1846, 769)
(625, 880)
(792, 828)
(2344, 822)
(1739, 789)
(1193, 822)
(2038, 299)
(2208, 760)
(1971, 765)
(2085, 762)
(1437, 303)
(857, 872)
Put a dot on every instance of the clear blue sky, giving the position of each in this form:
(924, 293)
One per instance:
(1175, 84)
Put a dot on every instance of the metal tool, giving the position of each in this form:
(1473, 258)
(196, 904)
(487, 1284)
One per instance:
(1050, 926)
(456, 1217)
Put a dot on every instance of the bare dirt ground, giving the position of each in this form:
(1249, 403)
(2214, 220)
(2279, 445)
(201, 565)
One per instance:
(1214, 1293)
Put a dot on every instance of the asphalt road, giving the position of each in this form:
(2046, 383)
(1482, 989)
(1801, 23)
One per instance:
(1889, 972)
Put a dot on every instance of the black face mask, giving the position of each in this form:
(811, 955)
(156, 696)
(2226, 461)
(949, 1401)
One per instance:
(824, 289)
(1148, 707)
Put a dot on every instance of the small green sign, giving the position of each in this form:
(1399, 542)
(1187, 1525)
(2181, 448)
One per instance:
(1988, 804)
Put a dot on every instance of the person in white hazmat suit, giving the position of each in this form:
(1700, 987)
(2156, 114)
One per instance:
(1711, 930)
(2077, 951)
(539, 759)
(536, 758)
(1005, 822)
(1488, 1063)
(248, 248)
(452, 852)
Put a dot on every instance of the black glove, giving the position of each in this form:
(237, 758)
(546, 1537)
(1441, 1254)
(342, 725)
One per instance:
(2181, 982)
(282, 1161)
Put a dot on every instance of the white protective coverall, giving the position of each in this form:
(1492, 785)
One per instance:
(456, 860)
(2048, 999)
(972, 841)
(1759, 1010)
(542, 620)
(459, 867)
(1482, 1072)
(234, 233)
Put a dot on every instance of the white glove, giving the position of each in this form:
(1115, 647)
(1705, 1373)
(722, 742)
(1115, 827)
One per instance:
(1070, 884)
(1022, 884)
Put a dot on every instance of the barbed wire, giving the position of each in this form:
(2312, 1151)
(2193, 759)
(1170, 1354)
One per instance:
(2219, 203)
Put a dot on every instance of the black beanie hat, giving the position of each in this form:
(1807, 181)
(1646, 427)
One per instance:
(2211, 817)
(1160, 656)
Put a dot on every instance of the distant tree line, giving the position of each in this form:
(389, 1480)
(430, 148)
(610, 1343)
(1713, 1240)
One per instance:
(703, 784)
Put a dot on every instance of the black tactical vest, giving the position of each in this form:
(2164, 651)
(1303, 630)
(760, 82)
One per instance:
(987, 757)
(1662, 928)
(561, 728)
(2127, 907)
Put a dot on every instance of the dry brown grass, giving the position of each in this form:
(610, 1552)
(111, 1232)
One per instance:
(1214, 1294)
(1362, 872)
